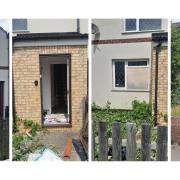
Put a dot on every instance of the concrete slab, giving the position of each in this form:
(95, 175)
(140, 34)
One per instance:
(57, 141)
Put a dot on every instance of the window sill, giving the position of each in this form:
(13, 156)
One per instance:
(140, 32)
(65, 125)
(20, 31)
(130, 90)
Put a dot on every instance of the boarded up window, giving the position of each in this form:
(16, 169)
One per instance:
(137, 77)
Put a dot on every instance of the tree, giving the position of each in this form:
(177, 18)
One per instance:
(175, 64)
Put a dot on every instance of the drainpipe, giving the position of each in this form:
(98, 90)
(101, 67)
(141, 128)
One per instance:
(78, 25)
(156, 84)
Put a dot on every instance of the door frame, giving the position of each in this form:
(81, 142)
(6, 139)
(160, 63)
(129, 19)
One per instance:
(69, 124)
(2, 83)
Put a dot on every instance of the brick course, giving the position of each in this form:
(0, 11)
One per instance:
(26, 70)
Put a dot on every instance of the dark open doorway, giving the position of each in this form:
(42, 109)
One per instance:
(59, 88)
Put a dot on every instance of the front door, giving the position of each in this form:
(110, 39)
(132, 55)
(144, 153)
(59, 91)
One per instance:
(1, 99)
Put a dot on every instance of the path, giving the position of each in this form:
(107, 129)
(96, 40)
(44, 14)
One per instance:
(58, 140)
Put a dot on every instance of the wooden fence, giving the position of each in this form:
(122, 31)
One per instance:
(161, 144)
(4, 139)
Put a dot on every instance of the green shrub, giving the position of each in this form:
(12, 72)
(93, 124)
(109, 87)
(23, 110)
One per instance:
(23, 146)
(28, 123)
(141, 112)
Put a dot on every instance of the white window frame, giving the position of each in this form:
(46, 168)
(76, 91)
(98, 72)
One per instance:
(21, 30)
(137, 27)
(126, 65)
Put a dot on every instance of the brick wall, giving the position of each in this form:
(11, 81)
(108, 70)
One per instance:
(26, 70)
(175, 130)
(162, 79)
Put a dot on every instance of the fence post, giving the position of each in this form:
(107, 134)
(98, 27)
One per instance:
(93, 142)
(162, 143)
(131, 142)
(103, 141)
(116, 141)
(146, 142)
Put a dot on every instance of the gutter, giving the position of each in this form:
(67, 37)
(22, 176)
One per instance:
(156, 84)
(78, 26)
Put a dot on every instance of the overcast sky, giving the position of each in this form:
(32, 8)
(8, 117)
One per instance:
(175, 20)
(4, 23)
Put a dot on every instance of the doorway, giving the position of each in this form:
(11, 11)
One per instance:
(55, 90)
(1, 99)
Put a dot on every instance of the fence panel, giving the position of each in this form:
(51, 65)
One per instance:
(130, 149)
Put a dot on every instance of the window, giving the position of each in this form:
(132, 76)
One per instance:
(142, 25)
(131, 74)
(19, 24)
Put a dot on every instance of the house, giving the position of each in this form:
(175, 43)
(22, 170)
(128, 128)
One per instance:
(130, 62)
(4, 74)
(50, 71)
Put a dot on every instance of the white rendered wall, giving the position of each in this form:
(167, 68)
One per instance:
(102, 73)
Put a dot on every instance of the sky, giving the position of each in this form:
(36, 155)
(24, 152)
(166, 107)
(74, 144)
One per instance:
(4, 23)
(175, 20)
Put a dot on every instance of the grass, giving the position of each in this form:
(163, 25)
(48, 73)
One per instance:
(175, 111)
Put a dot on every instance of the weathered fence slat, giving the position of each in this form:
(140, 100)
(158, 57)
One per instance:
(146, 142)
(93, 142)
(4, 139)
(116, 141)
(103, 141)
(162, 143)
(131, 142)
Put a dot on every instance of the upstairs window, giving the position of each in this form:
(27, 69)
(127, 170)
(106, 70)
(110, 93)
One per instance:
(138, 25)
(19, 24)
(131, 74)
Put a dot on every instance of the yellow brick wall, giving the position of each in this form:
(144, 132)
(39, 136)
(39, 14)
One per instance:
(162, 79)
(26, 70)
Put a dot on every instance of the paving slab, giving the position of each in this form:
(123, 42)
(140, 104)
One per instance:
(57, 141)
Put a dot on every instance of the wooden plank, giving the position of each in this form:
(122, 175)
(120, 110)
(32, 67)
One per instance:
(103, 141)
(116, 142)
(146, 142)
(162, 143)
(131, 142)
(93, 142)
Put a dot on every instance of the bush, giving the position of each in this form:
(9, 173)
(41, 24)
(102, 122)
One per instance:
(141, 112)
